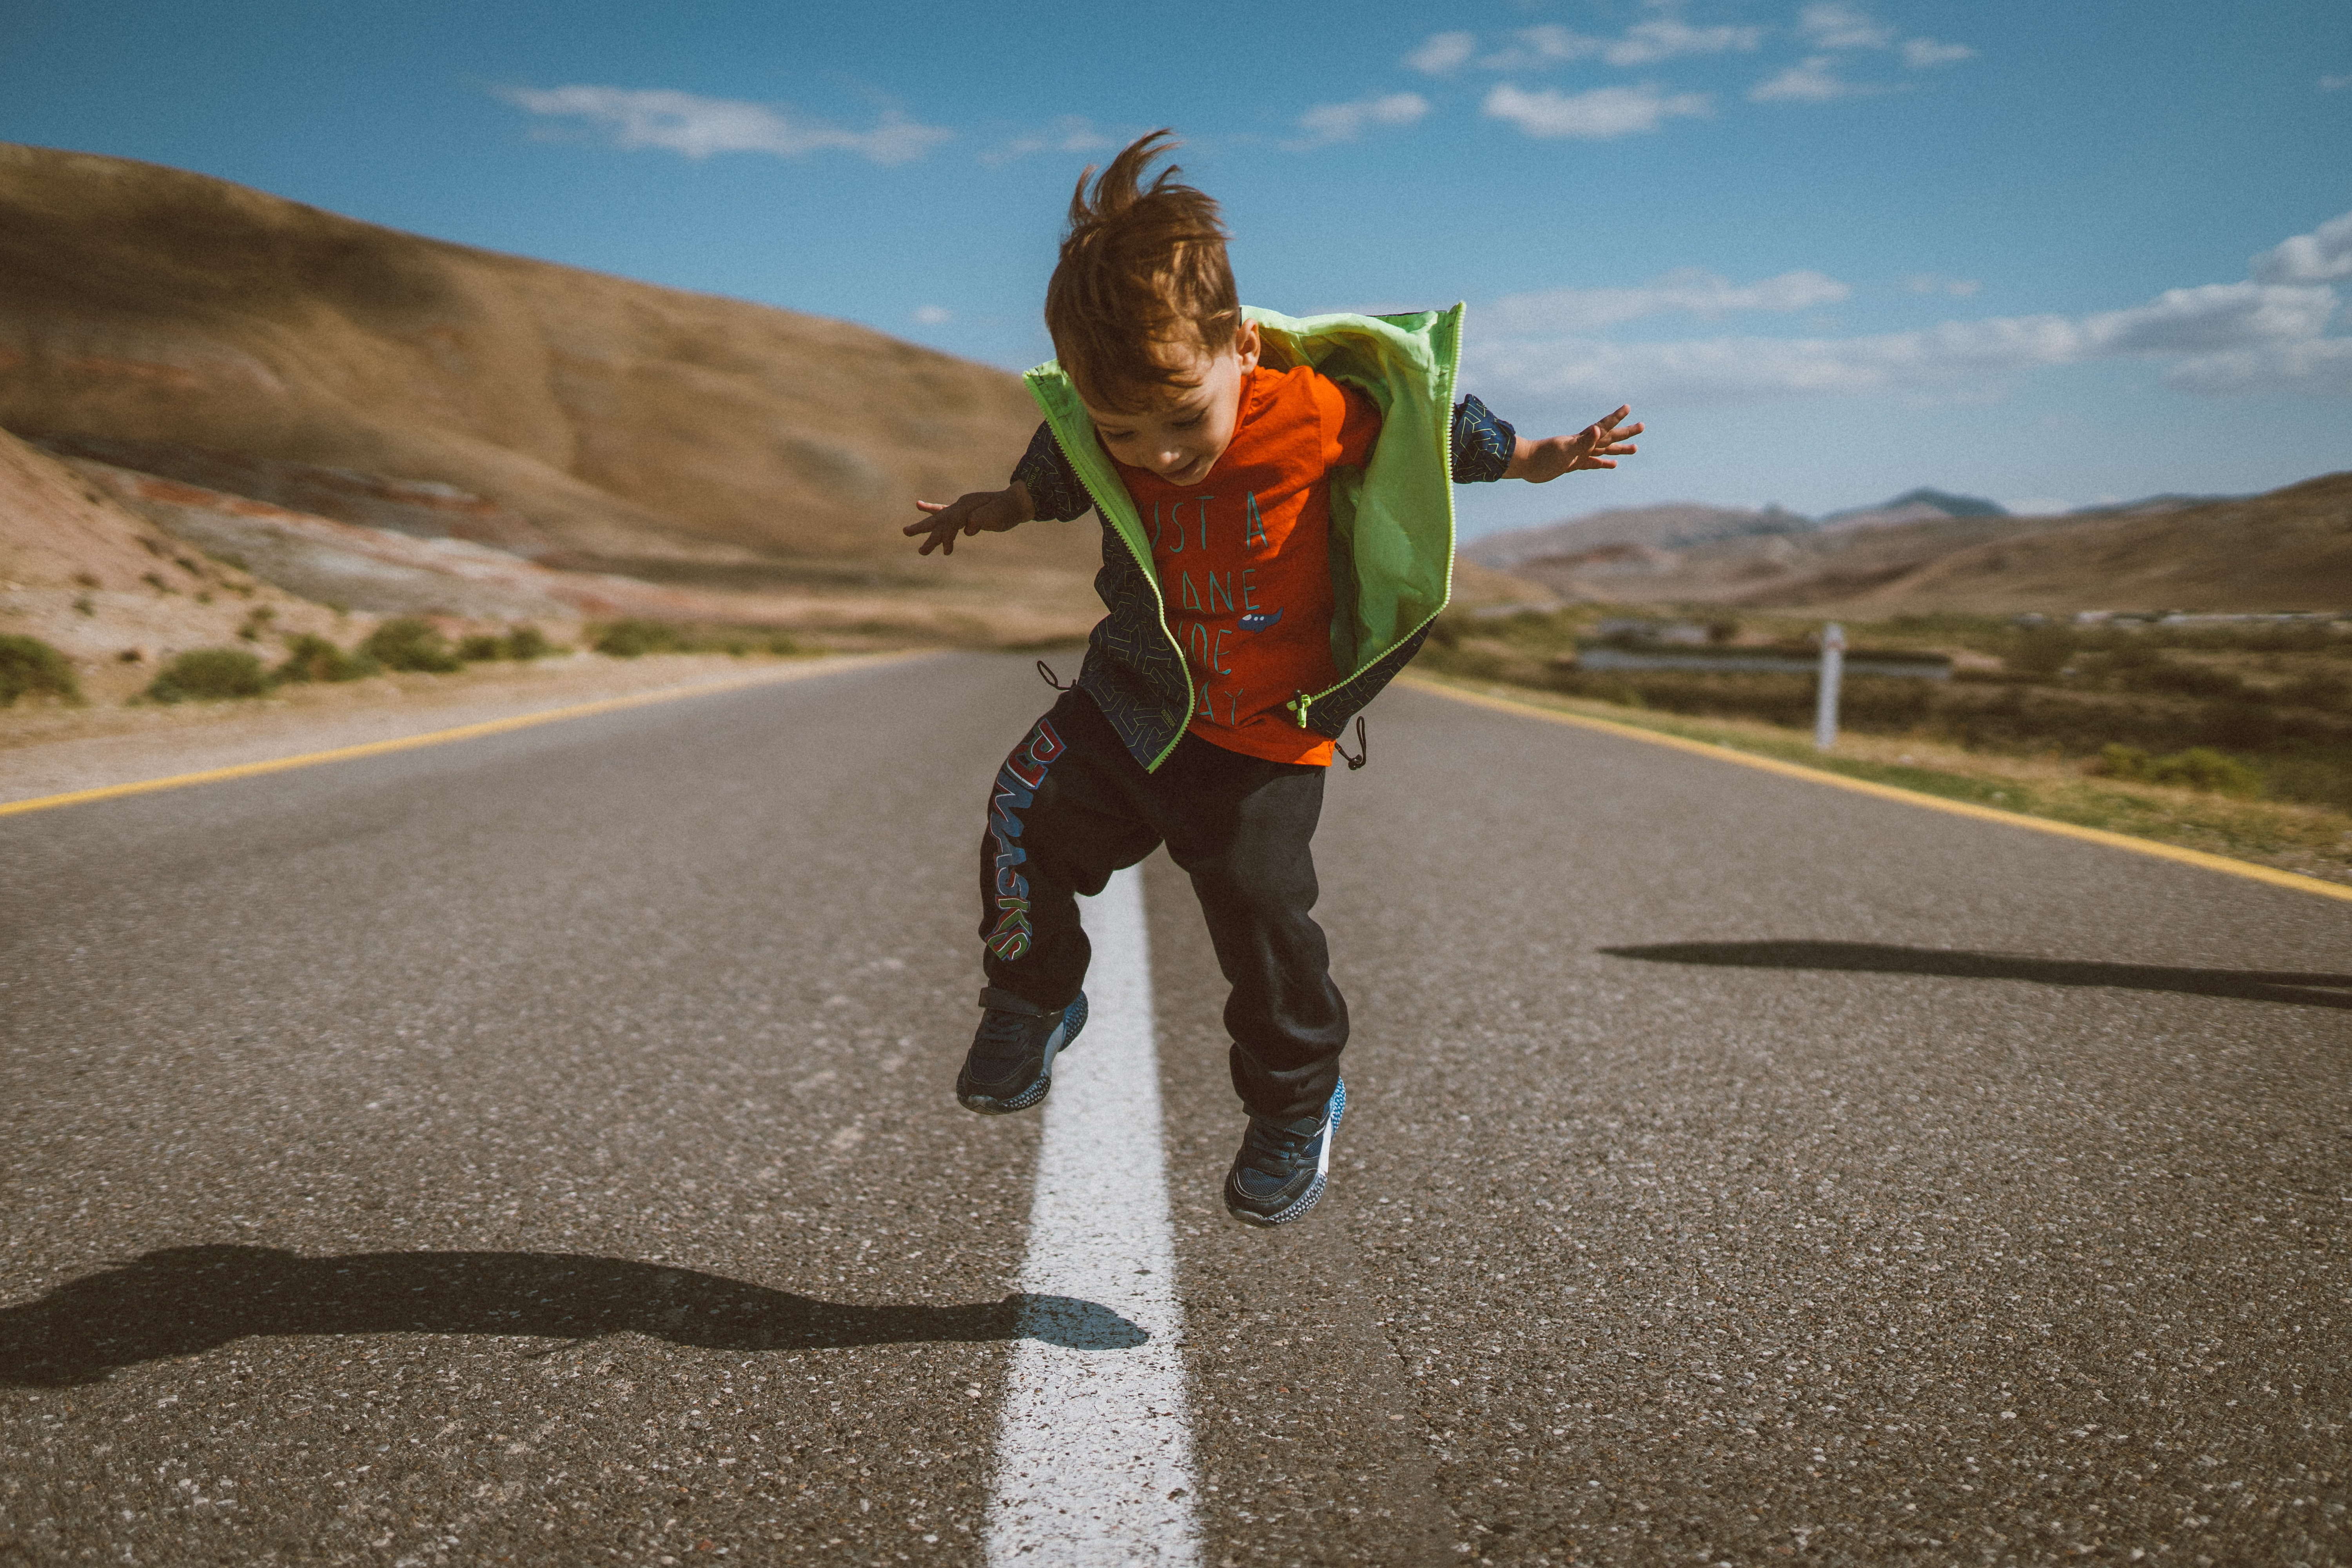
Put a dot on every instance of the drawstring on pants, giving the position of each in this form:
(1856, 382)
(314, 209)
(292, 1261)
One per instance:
(1364, 748)
(1363, 744)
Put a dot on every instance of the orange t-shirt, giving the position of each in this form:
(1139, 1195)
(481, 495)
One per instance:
(1243, 559)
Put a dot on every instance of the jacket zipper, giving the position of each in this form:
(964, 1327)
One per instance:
(1159, 602)
(1304, 701)
(1300, 703)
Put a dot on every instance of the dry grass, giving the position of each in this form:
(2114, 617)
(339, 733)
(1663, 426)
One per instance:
(2313, 840)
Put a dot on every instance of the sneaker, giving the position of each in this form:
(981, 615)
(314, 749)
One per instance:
(1011, 1064)
(1280, 1172)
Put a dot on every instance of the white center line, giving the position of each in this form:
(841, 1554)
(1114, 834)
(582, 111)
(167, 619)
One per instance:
(1094, 1459)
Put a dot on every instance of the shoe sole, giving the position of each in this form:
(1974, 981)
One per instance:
(1074, 1018)
(1296, 1208)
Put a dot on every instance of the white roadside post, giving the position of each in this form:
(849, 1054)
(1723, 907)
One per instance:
(1825, 713)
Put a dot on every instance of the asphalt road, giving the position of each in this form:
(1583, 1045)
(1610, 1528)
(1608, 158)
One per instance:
(541, 1149)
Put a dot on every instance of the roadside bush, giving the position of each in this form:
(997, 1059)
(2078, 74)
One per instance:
(2197, 768)
(2043, 650)
(2171, 678)
(634, 638)
(481, 646)
(780, 643)
(209, 674)
(2117, 761)
(310, 657)
(2204, 768)
(28, 664)
(527, 643)
(2317, 689)
(411, 643)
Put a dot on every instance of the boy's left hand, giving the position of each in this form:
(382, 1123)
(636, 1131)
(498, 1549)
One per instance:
(1593, 446)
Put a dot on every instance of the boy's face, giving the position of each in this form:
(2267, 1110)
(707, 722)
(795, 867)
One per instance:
(1183, 428)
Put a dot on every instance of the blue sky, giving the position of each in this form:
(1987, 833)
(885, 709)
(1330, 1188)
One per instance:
(1829, 249)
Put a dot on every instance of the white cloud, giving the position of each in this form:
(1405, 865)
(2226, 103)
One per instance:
(1646, 43)
(2216, 316)
(2335, 83)
(1535, 47)
(1442, 52)
(1832, 25)
(698, 127)
(1813, 79)
(932, 315)
(2323, 256)
(1923, 53)
(2320, 367)
(1689, 289)
(1600, 115)
(1329, 122)
(1070, 133)
(1937, 283)
(2222, 338)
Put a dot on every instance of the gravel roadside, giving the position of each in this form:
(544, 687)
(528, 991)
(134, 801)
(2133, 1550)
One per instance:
(51, 750)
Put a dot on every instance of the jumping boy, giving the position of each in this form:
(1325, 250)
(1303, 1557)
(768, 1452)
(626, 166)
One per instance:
(1278, 536)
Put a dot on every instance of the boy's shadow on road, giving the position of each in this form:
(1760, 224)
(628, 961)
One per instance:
(184, 1300)
(2305, 989)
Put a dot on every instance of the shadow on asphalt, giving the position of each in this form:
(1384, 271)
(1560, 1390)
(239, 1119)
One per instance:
(182, 1300)
(2303, 989)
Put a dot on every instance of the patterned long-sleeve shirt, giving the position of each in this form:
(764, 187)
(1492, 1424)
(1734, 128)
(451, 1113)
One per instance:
(1482, 445)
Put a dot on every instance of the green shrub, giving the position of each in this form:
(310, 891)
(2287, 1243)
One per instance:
(2117, 761)
(779, 642)
(634, 639)
(209, 674)
(2317, 689)
(2043, 650)
(2171, 678)
(2204, 768)
(312, 658)
(28, 664)
(411, 643)
(525, 643)
(481, 646)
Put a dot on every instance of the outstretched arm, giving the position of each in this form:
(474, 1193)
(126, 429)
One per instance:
(981, 511)
(1597, 445)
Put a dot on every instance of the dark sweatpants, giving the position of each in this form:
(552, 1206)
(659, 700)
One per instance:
(1070, 807)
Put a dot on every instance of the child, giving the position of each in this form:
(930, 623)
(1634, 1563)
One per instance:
(1278, 536)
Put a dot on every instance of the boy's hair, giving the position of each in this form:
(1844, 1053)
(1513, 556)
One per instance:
(1142, 265)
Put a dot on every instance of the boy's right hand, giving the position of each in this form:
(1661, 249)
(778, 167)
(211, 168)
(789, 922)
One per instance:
(992, 512)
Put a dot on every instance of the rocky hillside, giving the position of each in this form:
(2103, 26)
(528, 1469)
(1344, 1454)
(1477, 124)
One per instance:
(626, 425)
(115, 593)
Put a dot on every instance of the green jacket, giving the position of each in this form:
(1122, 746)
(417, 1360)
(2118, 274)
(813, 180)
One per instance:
(1391, 528)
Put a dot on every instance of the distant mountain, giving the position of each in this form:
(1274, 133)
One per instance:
(2288, 549)
(1921, 505)
(1681, 525)
(1672, 526)
(2171, 500)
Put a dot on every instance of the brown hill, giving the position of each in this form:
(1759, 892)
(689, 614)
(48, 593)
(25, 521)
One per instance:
(1672, 525)
(2288, 549)
(636, 427)
(115, 593)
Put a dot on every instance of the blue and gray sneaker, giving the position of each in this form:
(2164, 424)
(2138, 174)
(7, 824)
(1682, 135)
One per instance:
(1011, 1064)
(1280, 1172)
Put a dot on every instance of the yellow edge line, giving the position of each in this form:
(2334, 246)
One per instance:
(433, 738)
(2222, 863)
